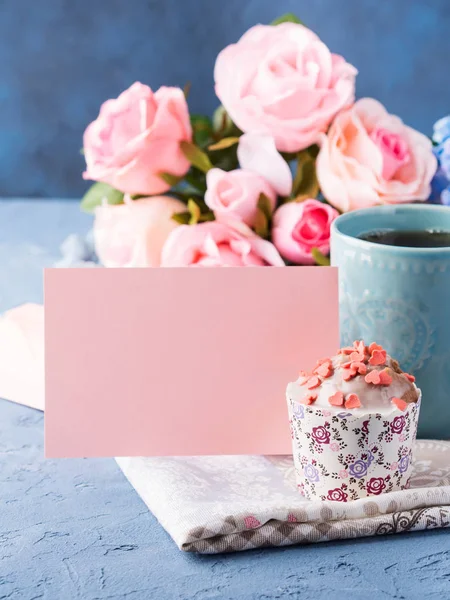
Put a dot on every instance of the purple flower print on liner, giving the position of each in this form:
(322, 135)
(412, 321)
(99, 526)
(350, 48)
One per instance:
(367, 457)
(320, 435)
(403, 464)
(398, 424)
(299, 410)
(311, 473)
(344, 415)
(358, 469)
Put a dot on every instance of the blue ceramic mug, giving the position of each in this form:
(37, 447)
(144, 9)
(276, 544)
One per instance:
(400, 298)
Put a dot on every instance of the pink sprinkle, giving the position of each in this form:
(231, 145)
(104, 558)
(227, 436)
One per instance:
(313, 382)
(409, 377)
(357, 357)
(352, 401)
(399, 403)
(336, 399)
(374, 346)
(378, 358)
(385, 378)
(373, 377)
(309, 398)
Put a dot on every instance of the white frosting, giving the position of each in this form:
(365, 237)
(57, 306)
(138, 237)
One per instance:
(373, 398)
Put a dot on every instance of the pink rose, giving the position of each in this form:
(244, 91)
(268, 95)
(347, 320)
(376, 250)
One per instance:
(283, 81)
(337, 495)
(136, 137)
(236, 194)
(298, 227)
(214, 244)
(133, 234)
(370, 157)
(343, 474)
(375, 486)
(334, 447)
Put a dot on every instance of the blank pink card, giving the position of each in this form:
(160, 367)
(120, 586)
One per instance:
(154, 362)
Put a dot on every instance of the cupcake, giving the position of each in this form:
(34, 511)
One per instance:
(353, 424)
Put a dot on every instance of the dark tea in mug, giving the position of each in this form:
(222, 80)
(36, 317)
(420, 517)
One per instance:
(430, 238)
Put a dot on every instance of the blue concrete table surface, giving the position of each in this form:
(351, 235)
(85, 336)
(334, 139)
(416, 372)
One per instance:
(76, 528)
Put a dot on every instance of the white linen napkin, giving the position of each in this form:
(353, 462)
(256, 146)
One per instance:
(230, 503)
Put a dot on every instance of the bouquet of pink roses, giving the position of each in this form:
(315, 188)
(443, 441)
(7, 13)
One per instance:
(261, 182)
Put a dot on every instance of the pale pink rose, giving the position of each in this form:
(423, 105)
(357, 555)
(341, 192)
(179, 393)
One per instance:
(326, 413)
(214, 244)
(236, 194)
(334, 447)
(370, 157)
(283, 81)
(298, 227)
(343, 474)
(133, 234)
(258, 153)
(137, 136)
(394, 466)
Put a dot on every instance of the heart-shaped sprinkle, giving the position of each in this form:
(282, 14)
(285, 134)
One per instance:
(357, 356)
(322, 361)
(360, 347)
(373, 377)
(399, 403)
(352, 401)
(360, 367)
(325, 370)
(409, 377)
(313, 382)
(385, 378)
(309, 398)
(374, 347)
(303, 378)
(347, 350)
(378, 357)
(336, 399)
(349, 374)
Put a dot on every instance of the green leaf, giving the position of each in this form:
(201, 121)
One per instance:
(181, 218)
(224, 143)
(194, 211)
(305, 184)
(320, 258)
(207, 216)
(196, 179)
(195, 156)
(287, 18)
(265, 206)
(170, 179)
(97, 194)
(202, 129)
(261, 225)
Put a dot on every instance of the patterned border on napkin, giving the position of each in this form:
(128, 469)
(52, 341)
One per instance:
(214, 504)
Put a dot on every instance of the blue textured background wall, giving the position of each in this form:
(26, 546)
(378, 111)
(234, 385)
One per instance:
(59, 59)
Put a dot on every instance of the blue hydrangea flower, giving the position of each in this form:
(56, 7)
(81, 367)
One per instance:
(441, 130)
(440, 185)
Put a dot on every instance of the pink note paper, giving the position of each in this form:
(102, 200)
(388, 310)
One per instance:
(155, 362)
